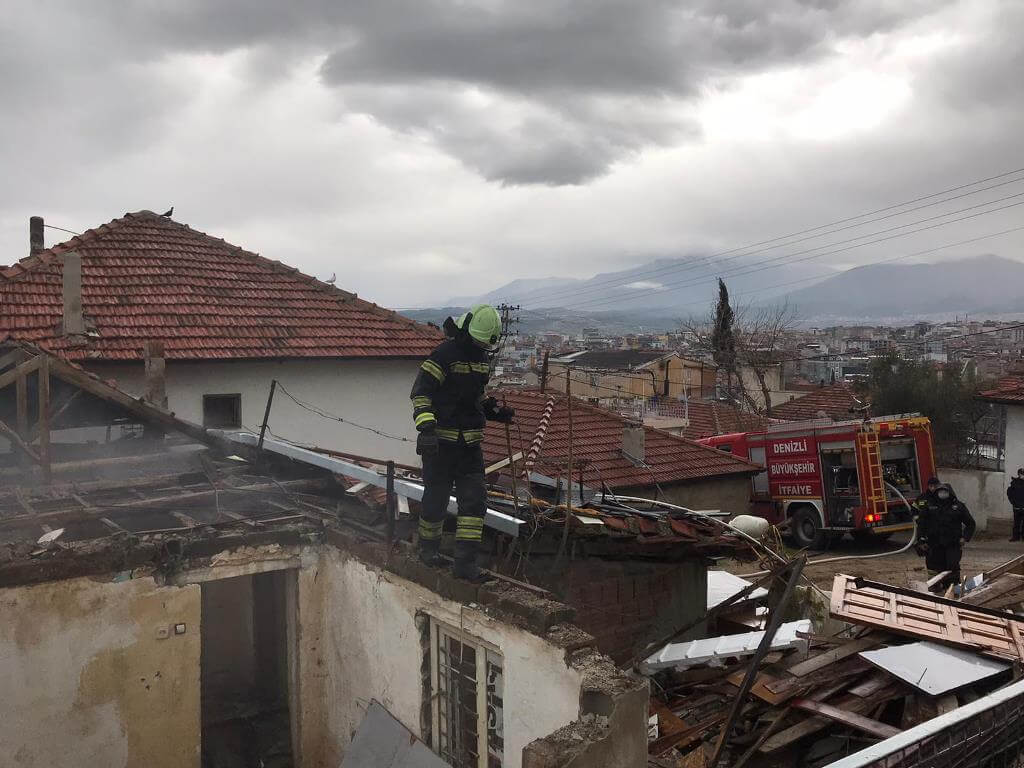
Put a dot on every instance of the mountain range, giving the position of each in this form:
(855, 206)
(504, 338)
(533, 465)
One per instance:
(668, 290)
(682, 286)
(980, 285)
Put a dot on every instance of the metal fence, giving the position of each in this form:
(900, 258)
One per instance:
(988, 733)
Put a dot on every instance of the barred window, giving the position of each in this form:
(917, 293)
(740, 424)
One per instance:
(467, 677)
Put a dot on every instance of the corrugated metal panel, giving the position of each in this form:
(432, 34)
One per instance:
(681, 655)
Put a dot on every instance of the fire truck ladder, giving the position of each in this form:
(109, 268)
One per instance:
(869, 459)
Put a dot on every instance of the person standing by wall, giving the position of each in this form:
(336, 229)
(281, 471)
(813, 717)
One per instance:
(1015, 493)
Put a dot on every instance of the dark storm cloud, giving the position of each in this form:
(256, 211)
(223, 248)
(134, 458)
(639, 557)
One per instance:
(560, 57)
(588, 77)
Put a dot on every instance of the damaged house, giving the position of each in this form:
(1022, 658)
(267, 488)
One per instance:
(145, 291)
(172, 595)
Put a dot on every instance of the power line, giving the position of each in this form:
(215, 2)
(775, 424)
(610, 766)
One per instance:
(758, 266)
(923, 252)
(334, 417)
(61, 229)
(557, 292)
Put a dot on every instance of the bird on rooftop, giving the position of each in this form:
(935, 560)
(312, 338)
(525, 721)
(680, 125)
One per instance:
(332, 278)
(169, 212)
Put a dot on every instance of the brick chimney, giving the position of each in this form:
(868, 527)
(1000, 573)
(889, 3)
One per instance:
(35, 235)
(633, 442)
(71, 279)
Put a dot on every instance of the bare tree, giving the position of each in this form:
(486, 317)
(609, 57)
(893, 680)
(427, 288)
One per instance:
(753, 344)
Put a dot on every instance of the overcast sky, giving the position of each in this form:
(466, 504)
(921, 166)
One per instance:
(427, 148)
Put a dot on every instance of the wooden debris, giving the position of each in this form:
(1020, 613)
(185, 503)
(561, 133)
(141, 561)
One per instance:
(852, 719)
(828, 658)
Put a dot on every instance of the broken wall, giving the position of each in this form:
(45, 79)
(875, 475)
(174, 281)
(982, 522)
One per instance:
(93, 674)
(626, 605)
(360, 640)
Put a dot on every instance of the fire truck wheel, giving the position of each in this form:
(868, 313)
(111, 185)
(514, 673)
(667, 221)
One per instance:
(806, 528)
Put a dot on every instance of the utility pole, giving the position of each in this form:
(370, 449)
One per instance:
(507, 320)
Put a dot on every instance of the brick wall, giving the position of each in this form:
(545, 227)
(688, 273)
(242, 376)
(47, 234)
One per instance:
(626, 605)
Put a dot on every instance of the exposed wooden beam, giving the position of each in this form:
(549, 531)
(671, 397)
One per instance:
(18, 443)
(21, 370)
(57, 410)
(145, 411)
(185, 499)
(44, 416)
(12, 357)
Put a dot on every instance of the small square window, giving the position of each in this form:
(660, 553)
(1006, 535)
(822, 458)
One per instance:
(222, 411)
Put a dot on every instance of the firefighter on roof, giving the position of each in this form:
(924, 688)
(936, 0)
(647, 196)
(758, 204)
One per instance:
(451, 411)
(944, 525)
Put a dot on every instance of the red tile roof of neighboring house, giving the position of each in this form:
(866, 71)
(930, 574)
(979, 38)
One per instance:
(1007, 390)
(597, 440)
(834, 399)
(710, 417)
(148, 278)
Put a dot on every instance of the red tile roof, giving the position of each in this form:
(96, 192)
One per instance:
(1007, 390)
(148, 278)
(597, 440)
(709, 418)
(834, 399)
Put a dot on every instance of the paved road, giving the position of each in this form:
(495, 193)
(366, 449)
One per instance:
(985, 551)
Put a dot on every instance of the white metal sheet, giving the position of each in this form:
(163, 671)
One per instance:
(722, 585)
(933, 668)
(413, 490)
(683, 655)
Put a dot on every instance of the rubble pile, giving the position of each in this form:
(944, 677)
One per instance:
(887, 660)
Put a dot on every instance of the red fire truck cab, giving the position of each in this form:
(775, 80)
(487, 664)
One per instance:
(826, 478)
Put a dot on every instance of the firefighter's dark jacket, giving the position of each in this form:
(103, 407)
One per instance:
(944, 523)
(1015, 493)
(448, 394)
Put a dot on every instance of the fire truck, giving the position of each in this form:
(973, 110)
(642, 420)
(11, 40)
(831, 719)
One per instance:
(823, 479)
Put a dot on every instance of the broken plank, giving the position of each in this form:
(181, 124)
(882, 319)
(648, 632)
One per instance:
(1016, 565)
(828, 658)
(682, 740)
(818, 723)
(851, 719)
(872, 685)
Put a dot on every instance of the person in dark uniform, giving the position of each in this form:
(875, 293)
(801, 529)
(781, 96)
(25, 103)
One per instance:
(1015, 493)
(450, 411)
(944, 525)
(928, 496)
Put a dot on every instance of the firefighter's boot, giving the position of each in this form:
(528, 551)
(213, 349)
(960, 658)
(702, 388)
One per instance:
(430, 552)
(466, 567)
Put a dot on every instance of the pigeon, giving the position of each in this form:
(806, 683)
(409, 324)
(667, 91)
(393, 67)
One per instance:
(332, 278)
(168, 213)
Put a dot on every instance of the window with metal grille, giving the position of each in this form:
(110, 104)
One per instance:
(468, 680)
(222, 411)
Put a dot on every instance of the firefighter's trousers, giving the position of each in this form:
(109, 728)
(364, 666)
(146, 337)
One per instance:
(460, 465)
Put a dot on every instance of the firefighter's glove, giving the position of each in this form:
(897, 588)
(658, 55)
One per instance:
(426, 443)
(504, 415)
